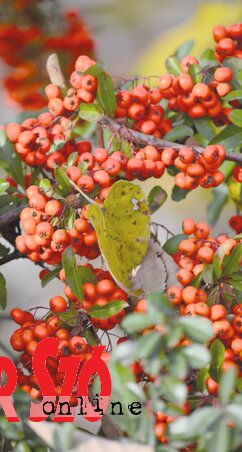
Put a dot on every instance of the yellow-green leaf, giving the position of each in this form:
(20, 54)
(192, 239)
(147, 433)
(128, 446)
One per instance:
(122, 227)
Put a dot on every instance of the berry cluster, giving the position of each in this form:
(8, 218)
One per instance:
(97, 294)
(228, 41)
(44, 239)
(17, 41)
(142, 106)
(198, 100)
(104, 169)
(35, 139)
(26, 338)
(199, 169)
(195, 252)
(193, 256)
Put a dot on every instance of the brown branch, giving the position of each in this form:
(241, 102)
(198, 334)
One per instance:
(10, 216)
(11, 257)
(142, 139)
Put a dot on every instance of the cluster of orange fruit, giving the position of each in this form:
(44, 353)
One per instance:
(23, 46)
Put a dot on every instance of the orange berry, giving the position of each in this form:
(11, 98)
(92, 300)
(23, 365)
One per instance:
(223, 74)
(189, 294)
(201, 90)
(202, 231)
(218, 312)
(58, 304)
(187, 247)
(174, 294)
(184, 276)
(166, 81)
(212, 386)
(188, 226)
(205, 254)
(105, 287)
(202, 309)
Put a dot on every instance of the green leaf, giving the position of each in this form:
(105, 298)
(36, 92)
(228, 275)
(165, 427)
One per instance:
(194, 425)
(136, 322)
(64, 184)
(72, 158)
(159, 304)
(35, 173)
(72, 272)
(69, 218)
(22, 447)
(215, 207)
(70, 317)
(3, 292)
(171, 245)
(12, 161)
(198, 329)
(178, 133)
(94, 70)
(206, 127)
(3, 250)
(106, 94)
(207, 56)
(83, 166)
(57, 145)
(122, 228)
(46, 187)
(4, 185)
(234, 411)
(195, 72)
(178, 193)
(90, 112)
(149, 345)
(178, 365)
(63, 437)
(232, 262)
(50, 275)
(236, 117)
(236, 65)
(173, 65)
(220, 439)
(234, 95)
(201, 377)
(235, 283)
(174, 390)
(184, 49)
(208, 274)
(197, 280)
(107, 311)
(230, 137)
(217, 350)
(197, 355)
(227, 384)
(156, 198)
(218, 260)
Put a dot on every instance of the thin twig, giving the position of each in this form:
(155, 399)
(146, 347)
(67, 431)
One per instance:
(142, 139)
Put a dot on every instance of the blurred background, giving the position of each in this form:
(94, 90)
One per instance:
(129, 37)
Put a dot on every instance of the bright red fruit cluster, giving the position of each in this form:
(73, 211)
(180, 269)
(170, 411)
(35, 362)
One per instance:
(228, 41)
